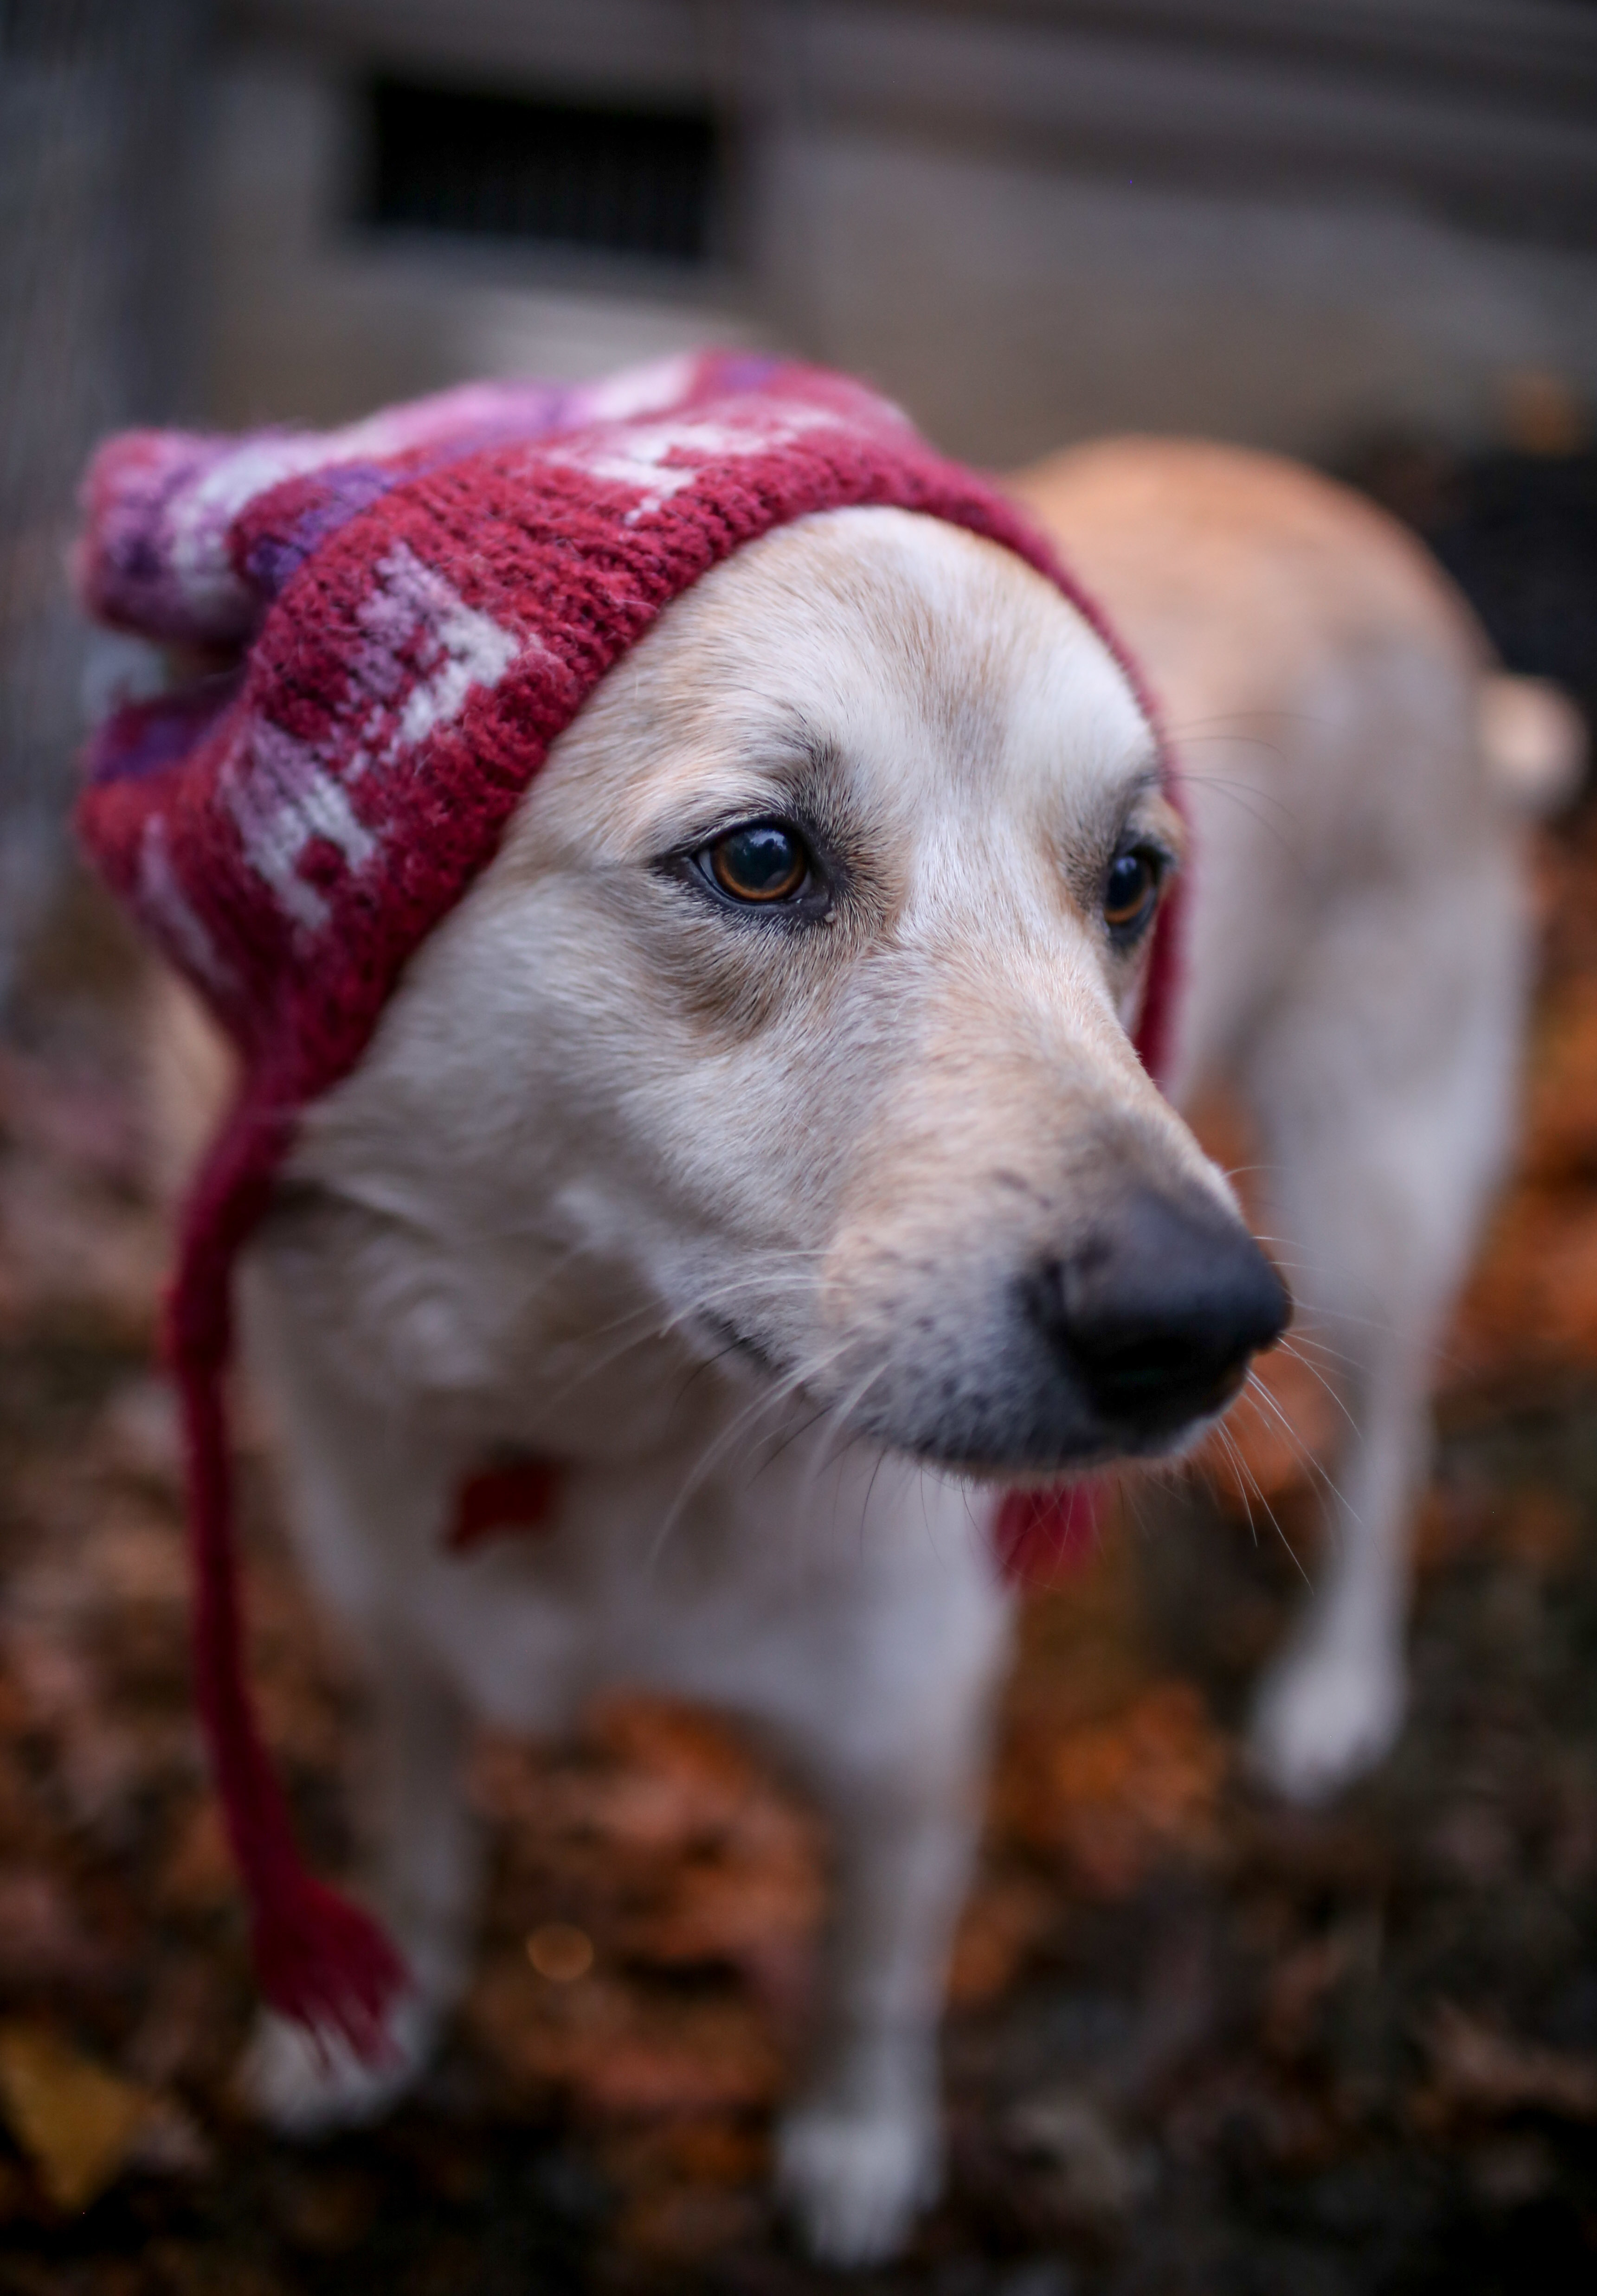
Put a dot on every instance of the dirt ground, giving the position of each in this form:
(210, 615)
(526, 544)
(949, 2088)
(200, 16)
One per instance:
(1198, 2043)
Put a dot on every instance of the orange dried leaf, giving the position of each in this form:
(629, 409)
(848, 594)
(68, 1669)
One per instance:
(1004, 1919)
(1113, 1797)
(198, 1873)
(1560, 1119)
(620, 2050)
(78, 2123)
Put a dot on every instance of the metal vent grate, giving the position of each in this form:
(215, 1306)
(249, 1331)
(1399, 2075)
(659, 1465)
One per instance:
(558, 175)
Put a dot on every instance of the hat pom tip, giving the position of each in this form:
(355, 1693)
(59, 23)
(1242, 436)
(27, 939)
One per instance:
(328, 1965)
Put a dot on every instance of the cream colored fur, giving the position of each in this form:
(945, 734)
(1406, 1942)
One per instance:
(718, 1212)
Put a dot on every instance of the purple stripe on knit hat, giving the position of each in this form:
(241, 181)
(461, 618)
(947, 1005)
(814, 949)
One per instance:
(188, 537)
(126, 568)
(746, 371)
(523, 411)
(335, 497)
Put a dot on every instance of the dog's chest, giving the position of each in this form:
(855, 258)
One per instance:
(797, 1591)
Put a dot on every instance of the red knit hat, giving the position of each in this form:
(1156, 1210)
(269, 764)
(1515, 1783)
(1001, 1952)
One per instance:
(402, 616)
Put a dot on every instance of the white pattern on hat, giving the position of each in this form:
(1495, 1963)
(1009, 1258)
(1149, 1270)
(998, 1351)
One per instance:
(200, 522)
(463, 647)
(283, 798)
(284, 794)
(201, 517)
(636, 457)
(638, 389)
(162, 901)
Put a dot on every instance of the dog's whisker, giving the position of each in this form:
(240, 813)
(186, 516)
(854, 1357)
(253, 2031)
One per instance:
(841, 1430)
(1315, 1374)
(1263, 1401)
(1228, 1443)
(1246, 1471)
(1307, 1334)
(767, 1399)
(647, 1327)
(1270, 828)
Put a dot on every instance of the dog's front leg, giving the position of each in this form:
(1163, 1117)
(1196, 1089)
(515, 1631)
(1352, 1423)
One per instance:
(859, 2152)
(365, 1496)
(421, 1871)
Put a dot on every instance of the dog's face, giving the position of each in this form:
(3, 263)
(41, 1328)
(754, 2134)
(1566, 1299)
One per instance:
(791, 1020)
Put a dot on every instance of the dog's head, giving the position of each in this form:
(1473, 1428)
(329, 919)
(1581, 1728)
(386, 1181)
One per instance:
(791, 1018)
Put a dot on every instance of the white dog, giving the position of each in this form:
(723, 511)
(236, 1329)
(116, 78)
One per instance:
(761, 1136)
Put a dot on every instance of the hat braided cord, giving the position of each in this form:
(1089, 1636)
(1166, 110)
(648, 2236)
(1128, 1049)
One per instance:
(319, 1959)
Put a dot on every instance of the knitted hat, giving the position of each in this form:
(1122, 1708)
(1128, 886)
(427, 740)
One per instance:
(395, 621)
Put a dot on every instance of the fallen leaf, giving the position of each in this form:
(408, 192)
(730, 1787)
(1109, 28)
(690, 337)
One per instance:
(1113, 1797)
(198, 1873)
(1093, 2174)
(42, 1938)
(1542, 1527)
(1560, 1116)
(661, 1838)
(1533, 1299)
(76, 1257)
(73, 1118)
(327, 2210)
(682, 2223)
(189, 2031)
(169, 2143)
(1297, 1988)
(1479, 2069)
(78, 2123)
(688, 2185)
(1232, 2106)
(1005, 1917)
(620, 2049)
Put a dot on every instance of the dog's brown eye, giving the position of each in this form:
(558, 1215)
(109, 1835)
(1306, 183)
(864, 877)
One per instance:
(762, 864)
(1130, 890)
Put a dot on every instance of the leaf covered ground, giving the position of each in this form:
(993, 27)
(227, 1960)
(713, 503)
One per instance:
(1198, 2043)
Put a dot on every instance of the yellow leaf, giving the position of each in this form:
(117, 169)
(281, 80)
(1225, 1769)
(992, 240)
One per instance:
(77, 2122)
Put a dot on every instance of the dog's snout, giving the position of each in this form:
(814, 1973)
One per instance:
(1158, 1317)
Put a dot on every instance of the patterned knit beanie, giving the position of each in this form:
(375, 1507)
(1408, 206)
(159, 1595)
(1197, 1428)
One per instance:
(390, 624)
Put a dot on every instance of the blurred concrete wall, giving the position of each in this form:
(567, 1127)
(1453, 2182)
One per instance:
(1296, 222)
(314, 317)
(1281, 220)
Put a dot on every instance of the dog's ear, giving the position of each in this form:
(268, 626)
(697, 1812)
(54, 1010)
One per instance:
(1533, 743)
(189, 1072)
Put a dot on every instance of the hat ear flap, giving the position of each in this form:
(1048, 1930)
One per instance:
(318, 1958)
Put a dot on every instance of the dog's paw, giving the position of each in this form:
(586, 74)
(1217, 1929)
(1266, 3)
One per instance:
(309, 2084)
(854, 2182)
(1324, 1717)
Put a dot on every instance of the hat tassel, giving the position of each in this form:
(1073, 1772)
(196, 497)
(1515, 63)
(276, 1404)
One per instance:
(319, 1959)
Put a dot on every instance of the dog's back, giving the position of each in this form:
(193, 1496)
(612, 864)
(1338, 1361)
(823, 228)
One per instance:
(1357, 771)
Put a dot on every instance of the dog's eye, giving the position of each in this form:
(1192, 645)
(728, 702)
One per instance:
(1130, 891)
(761, 863)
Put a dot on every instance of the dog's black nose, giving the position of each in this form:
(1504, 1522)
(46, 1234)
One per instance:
(1158, 1317)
